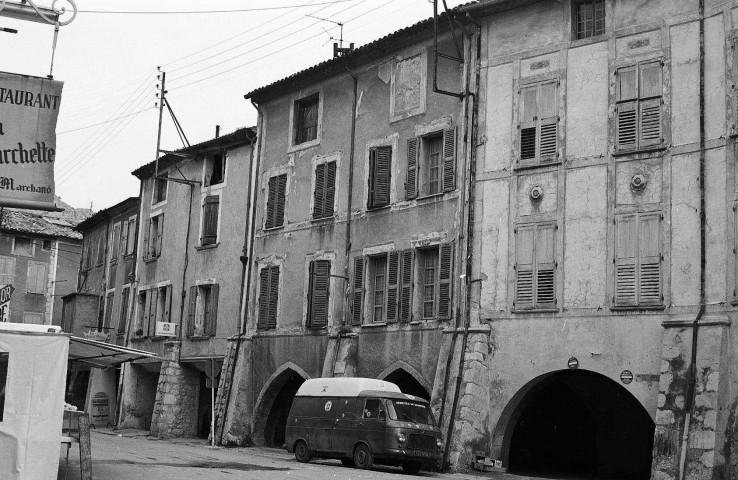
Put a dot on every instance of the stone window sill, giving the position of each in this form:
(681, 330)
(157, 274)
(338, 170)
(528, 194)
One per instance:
(630, 308)
(655, 148)
(535, 310)
(199, 338)
(532, 166)
(209, 246)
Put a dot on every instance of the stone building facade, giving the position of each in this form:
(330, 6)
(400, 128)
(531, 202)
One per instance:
(194, 213)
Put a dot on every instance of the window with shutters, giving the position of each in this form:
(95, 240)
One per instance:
(100, 250)
(268, 297)
(23, 246)
(130, 243)
(115, 244)
(638, 115)
(160, 188)
(7, 270)
(324, 193)
(215, 170)
(276, 196)
(535, 266)
(37, 277)
(638, 259)
(210, 209)
(202, 314)
(539, 123)
(123, 316)
(153, 237)
(389, 282)
(306, 119)
(318, 293)
(588, 18)
(109, 300)
(380, 168)
(431, 164)
(163, 304)
(142, 312)
(434, 281)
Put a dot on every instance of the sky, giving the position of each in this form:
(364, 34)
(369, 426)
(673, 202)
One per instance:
(108, 120)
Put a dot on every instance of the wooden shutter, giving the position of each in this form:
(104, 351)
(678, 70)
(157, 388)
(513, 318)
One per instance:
(146, 313)
(411, 182)
(271, 203)
(548, 121)
(528, 122)
(380, 159)
(273, 297)
(358, 294)
(330, 189)
(524, 267)
(263, 298)
(625, 260)
(320, 284)
(449, 159)
(153, 305)
(115, 243)
(211, 312)
(626, 126)
(147, 232)
(406, 268)
(650, 122)
(281, 197)
(210, 220)
(167, 317)
(319, 194)
(159, 234)
(393, 276)
(445, 277)
(123, 238)
(649, 261)
(191, 311)
(545, 266)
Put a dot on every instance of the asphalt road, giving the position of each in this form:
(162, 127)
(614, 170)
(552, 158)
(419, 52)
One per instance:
(137, 457)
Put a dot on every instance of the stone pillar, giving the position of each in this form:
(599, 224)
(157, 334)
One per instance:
(341, 356)
(239, 415)
(177, 397)
(704, 456)
(138, 391)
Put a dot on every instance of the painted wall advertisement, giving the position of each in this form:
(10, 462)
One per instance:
(29, 107)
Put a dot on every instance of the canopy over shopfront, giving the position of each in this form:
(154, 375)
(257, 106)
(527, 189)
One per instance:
(103, 355)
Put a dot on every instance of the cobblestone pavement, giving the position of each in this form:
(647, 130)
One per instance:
(131, 455)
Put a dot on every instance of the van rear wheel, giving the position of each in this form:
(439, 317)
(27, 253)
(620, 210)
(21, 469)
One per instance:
(363, 457)
(411, 468)
(302, 453)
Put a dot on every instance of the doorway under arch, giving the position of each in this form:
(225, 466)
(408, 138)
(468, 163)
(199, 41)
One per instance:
(408, 384)
(270, 420)
(577, 423)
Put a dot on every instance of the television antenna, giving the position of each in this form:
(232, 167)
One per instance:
(338, 48)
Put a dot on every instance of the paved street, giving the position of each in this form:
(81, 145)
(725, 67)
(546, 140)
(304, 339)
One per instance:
(136, 457)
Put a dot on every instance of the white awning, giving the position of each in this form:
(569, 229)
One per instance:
(103, 355)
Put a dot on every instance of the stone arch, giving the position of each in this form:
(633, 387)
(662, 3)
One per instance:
(409, 379)
(582, 406)
(277, 392)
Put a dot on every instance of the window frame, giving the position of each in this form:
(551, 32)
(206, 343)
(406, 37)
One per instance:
(203, 310)
(575, 6)
(317, 286)
(324, 202)
(268, 296)
(372, 201)
(552, 152)
(34, 290)
(536, 304)
(622, 108)
(418, 160)
(209, 169)
(295, 102)
(154, 238)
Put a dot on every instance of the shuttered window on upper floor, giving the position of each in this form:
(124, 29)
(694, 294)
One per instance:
(539, 122)
(268, 297)
(638, 113)
(638, 259)
(275, 201)
(380, 168)
(535, 266)
(153, 236)
(306, 119)
(210, 207)
(202, 312)
(325, 190)
(318, 293)
(7, 270)
(115, 244)
(37, 277)
(431, 164)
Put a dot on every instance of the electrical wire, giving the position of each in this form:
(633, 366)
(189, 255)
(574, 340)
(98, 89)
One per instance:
(258, 9)
(103, 123)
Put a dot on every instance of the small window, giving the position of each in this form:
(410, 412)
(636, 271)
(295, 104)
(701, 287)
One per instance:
(215, 173)
(160, 188)
(268, 298)
(539, 122)
(380, 165)
(4, 360)
(123, 318)
(275, 201)
(535, 266)
(46, 245)
(431, 164)
(638, 260)
(153, 237)
(318, 293)
(210, 209)
(588, 18)
(638, 115)
(325, 190)
(37, 278)
(306, 119)
(23, 246)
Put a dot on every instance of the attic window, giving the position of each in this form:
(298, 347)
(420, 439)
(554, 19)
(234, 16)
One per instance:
(306, 119)
(215, 170)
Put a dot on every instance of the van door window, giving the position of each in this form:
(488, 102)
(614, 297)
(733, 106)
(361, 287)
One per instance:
(374, 409)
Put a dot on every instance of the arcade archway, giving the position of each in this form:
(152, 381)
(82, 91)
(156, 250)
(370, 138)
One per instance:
(577, 423)
(273, 407)
(408, 383)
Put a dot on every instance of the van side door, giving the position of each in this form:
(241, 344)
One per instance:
(371, 427)
(344, 426)
(324, 420)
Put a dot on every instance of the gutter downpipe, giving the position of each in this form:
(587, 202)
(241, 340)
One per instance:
(246, 260)
(689, 405)
(184, 268)
(471, 185)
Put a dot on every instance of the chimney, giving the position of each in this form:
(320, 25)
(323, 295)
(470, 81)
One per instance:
(217, 131)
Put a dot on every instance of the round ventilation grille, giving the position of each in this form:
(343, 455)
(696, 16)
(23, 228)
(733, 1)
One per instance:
(638, 182)
(536, 193)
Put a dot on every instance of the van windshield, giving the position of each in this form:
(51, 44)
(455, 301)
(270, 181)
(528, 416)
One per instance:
(414, 412)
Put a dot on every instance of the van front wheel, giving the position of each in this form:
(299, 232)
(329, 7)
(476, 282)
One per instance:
(363, 457)
(302, 453)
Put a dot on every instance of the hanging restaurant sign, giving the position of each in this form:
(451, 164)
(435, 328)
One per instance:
(29, 107)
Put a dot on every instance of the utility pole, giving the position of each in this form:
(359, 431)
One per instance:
(163, 77)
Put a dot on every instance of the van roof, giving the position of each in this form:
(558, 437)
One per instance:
(392, 395)
(344, 387)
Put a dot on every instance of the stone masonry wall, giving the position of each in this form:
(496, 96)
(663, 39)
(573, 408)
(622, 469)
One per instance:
(177, 395)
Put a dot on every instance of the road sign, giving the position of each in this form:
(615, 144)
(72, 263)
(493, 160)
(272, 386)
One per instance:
(6, 292)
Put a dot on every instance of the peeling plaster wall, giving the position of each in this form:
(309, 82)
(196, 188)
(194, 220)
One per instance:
(685, 227)
(499, 117)
(495, 234)
(685, 77)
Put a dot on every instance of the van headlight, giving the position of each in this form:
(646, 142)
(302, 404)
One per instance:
(401, 437)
